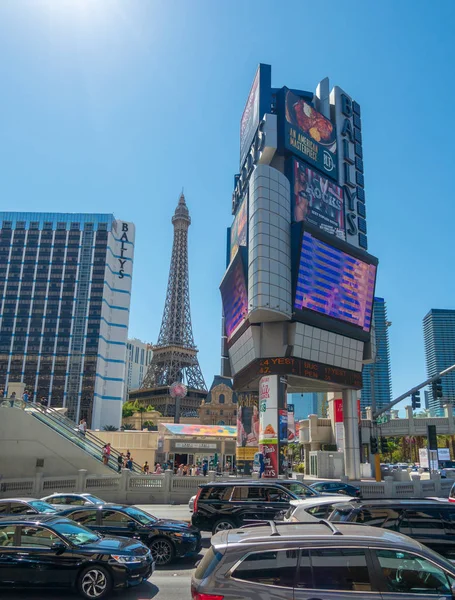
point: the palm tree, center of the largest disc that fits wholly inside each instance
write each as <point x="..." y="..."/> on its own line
<point x="141" y="410"/>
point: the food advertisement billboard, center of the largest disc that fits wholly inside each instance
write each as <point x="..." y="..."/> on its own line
<point x="247" y="425"/>
<point x="234" y="296"/>
<point x="257" y="104"/>
<point x="317" y="200"/>
<point x="308" y="134"/>
<point x="334" y="283"/>
<point x="268" y="424"/>
<point x="239" y="227"/>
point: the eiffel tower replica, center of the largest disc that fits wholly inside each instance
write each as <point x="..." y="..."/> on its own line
<point x="175" y="354"/>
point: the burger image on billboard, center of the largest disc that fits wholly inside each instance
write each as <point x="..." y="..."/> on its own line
<point x="308" y="134"/>
<point x="317" y="200"/>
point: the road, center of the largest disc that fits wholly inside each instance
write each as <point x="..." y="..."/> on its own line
<point x="167" y="583"/>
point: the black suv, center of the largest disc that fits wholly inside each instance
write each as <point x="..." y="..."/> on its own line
<point x="429" y="522"/>
<point x="220" y="506"/>
<point x="48" y="551"/>
<point x="167" y="539"/>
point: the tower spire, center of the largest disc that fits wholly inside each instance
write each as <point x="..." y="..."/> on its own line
<point x="175" y="353"/>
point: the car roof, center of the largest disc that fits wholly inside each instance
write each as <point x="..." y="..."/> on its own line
<point x="20" y="500"/>
<point x="396" y="502"/>
<point x="317" y="500"/>
<point x="47" y="519"/>
<point x="249" y="483"/>
<point x="344" y="533"/>
<point x="108" y="505"/>
<point x="67" y="494"/>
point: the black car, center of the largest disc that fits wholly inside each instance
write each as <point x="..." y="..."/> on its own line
<point x="336" y="487"/>
<point x="220" y="506"/>
<point x="430" y="522"/>
<point x="167" y="539"/>
<point x="51" y="551"/>
<point x="25" y="506"/>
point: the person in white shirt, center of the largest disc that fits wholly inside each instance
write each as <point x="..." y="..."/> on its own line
<point x="82" y="427"/>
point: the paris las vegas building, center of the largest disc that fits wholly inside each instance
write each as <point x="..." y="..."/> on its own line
<point x="299" y="284"/>
<point x="65" y="288"/>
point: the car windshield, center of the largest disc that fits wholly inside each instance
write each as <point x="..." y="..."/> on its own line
<point x="76" y="534"/>
<point x="93" y="499"/>
<point x="42" y="507"/>
<point x="141" y="516"/>
<point x="300" y="490"/>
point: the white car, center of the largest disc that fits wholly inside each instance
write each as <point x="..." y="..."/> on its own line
<point x="309" y="509"/>
<point x="61" y="500"/>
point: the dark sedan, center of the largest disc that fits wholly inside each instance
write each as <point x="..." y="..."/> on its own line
<point x="336" y="487"/>
<point x="167" y="539"/>
<point x="25" y="506"/>
<point x="51" y="551"/>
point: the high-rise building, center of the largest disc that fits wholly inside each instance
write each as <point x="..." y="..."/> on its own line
<point x="65" y="285"/>
<point x="311" y="403"/>
<point x="378" y="373"/>
<point x="138" y="357"/>
<point x="439" y="336"/>
<point x="174" y="358"/>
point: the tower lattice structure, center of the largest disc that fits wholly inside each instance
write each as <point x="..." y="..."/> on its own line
<point x="175" y="353"/>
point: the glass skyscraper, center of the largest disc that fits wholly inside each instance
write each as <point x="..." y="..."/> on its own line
<point x="439" y="337"/>
<point x="65" y="285"/>
<point x="378" y="372"/>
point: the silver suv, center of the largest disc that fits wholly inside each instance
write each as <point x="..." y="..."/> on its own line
<point x="320" y="561"/>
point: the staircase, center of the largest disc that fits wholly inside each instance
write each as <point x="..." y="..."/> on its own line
<point x="90" y="443"/>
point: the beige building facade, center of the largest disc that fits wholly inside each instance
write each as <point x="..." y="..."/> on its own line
<point x="220" y="406"/>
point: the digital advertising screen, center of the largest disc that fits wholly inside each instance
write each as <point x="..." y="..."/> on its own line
<point x="334" y="283"/>
<point x="308" y="134"/>
<point x="317" y="200"/>
<point x="257" y="104"/>
<point x="239" y="227"/>
<point x="234" y="296"/>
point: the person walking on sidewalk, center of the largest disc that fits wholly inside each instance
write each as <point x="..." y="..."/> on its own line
<point x="12" y="399"/>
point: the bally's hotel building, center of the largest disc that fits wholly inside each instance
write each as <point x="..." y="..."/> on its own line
<point x="65" y="289"/>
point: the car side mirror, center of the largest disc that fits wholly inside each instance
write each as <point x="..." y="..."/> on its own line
<point x="132" y="525"/>
<point x="58" y="547"/>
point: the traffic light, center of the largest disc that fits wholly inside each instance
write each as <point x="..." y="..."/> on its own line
<point x="415" y="398"/>
<point x="436" y="386"/>
<point x="384" y="445"/>
<point x="374" y="445"/>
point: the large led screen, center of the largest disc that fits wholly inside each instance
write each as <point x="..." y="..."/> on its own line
<point x="317" y="200"/>
<point x="234" y="296"/>
<point x="334" y="283"/>
<point x="238" y="229"/>
<point x="309" y="135"/>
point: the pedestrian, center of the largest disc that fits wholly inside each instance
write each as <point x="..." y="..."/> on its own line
<point x="205" y="468"/>
<point x="12" y="399"/>
<point x="43" y="401"/>
<point x="158" y="469"/>
<point x="129" y="463"/>
<point x="2" y="393"/>
<point x="82" y="427"/>
<point x="106" y="453"/>
<point x="180" y="471"/>
<point x="25" y="396"/>
<point x="128" y="454"/>
<point x="146" y="468"/>
<point x="261" y="465"/>
<point x="120" y="461"/>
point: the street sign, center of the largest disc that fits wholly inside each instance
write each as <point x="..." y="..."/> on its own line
<point x="382" y="419"/>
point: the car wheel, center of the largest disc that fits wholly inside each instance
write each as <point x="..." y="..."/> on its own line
<point x="223" y="525"/>
<point x="94" y="583"/>
<point x="162" y="551"/>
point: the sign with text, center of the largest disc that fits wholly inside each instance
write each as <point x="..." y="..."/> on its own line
<point x="268" y="424"/>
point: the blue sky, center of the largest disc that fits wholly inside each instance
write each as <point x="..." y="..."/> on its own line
<point x="114" y="105"/>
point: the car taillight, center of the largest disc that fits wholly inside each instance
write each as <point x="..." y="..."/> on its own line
<point x="196" y="499"/>
<point x="197" y="596"/>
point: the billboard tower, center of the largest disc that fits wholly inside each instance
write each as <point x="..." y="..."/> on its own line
<point x="298" y="289"/>
<point x="175" y="354"/>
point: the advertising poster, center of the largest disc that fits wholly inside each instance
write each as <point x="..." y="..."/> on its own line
<point x="247" y="426"/>
<point x="291" y="425"/>
<point x="268" y="424"/>
<point x="317" y="200"/>
<point x="309" y="135"/>
<point x="234" y="296"/>
<point x="283" y="425"/>
<point x="239" y="227"/>
<point x="338" y="410"/>
<point x="334" y="283"/>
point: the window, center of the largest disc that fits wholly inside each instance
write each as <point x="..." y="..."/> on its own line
<point x="7" y="533"/>
<point x="276" y="567"/>
<point x="219" y="492"/>
<point x="85" y="517"/>
<point x="322" y="511"/>
<point x="260" y="493"/>
<point x="427" y="521"/>
<point x="340" y="569"/>
<point x="18" y="508"/>
<point x="115" y="518"/>
<point x="37" y="537"/>
<point x="407" y="573"/>
<point x="3" y="508"/>
<point x="221" y="399"/>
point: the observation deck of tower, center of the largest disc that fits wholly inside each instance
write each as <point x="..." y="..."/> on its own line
<point x="175" y="353"/>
